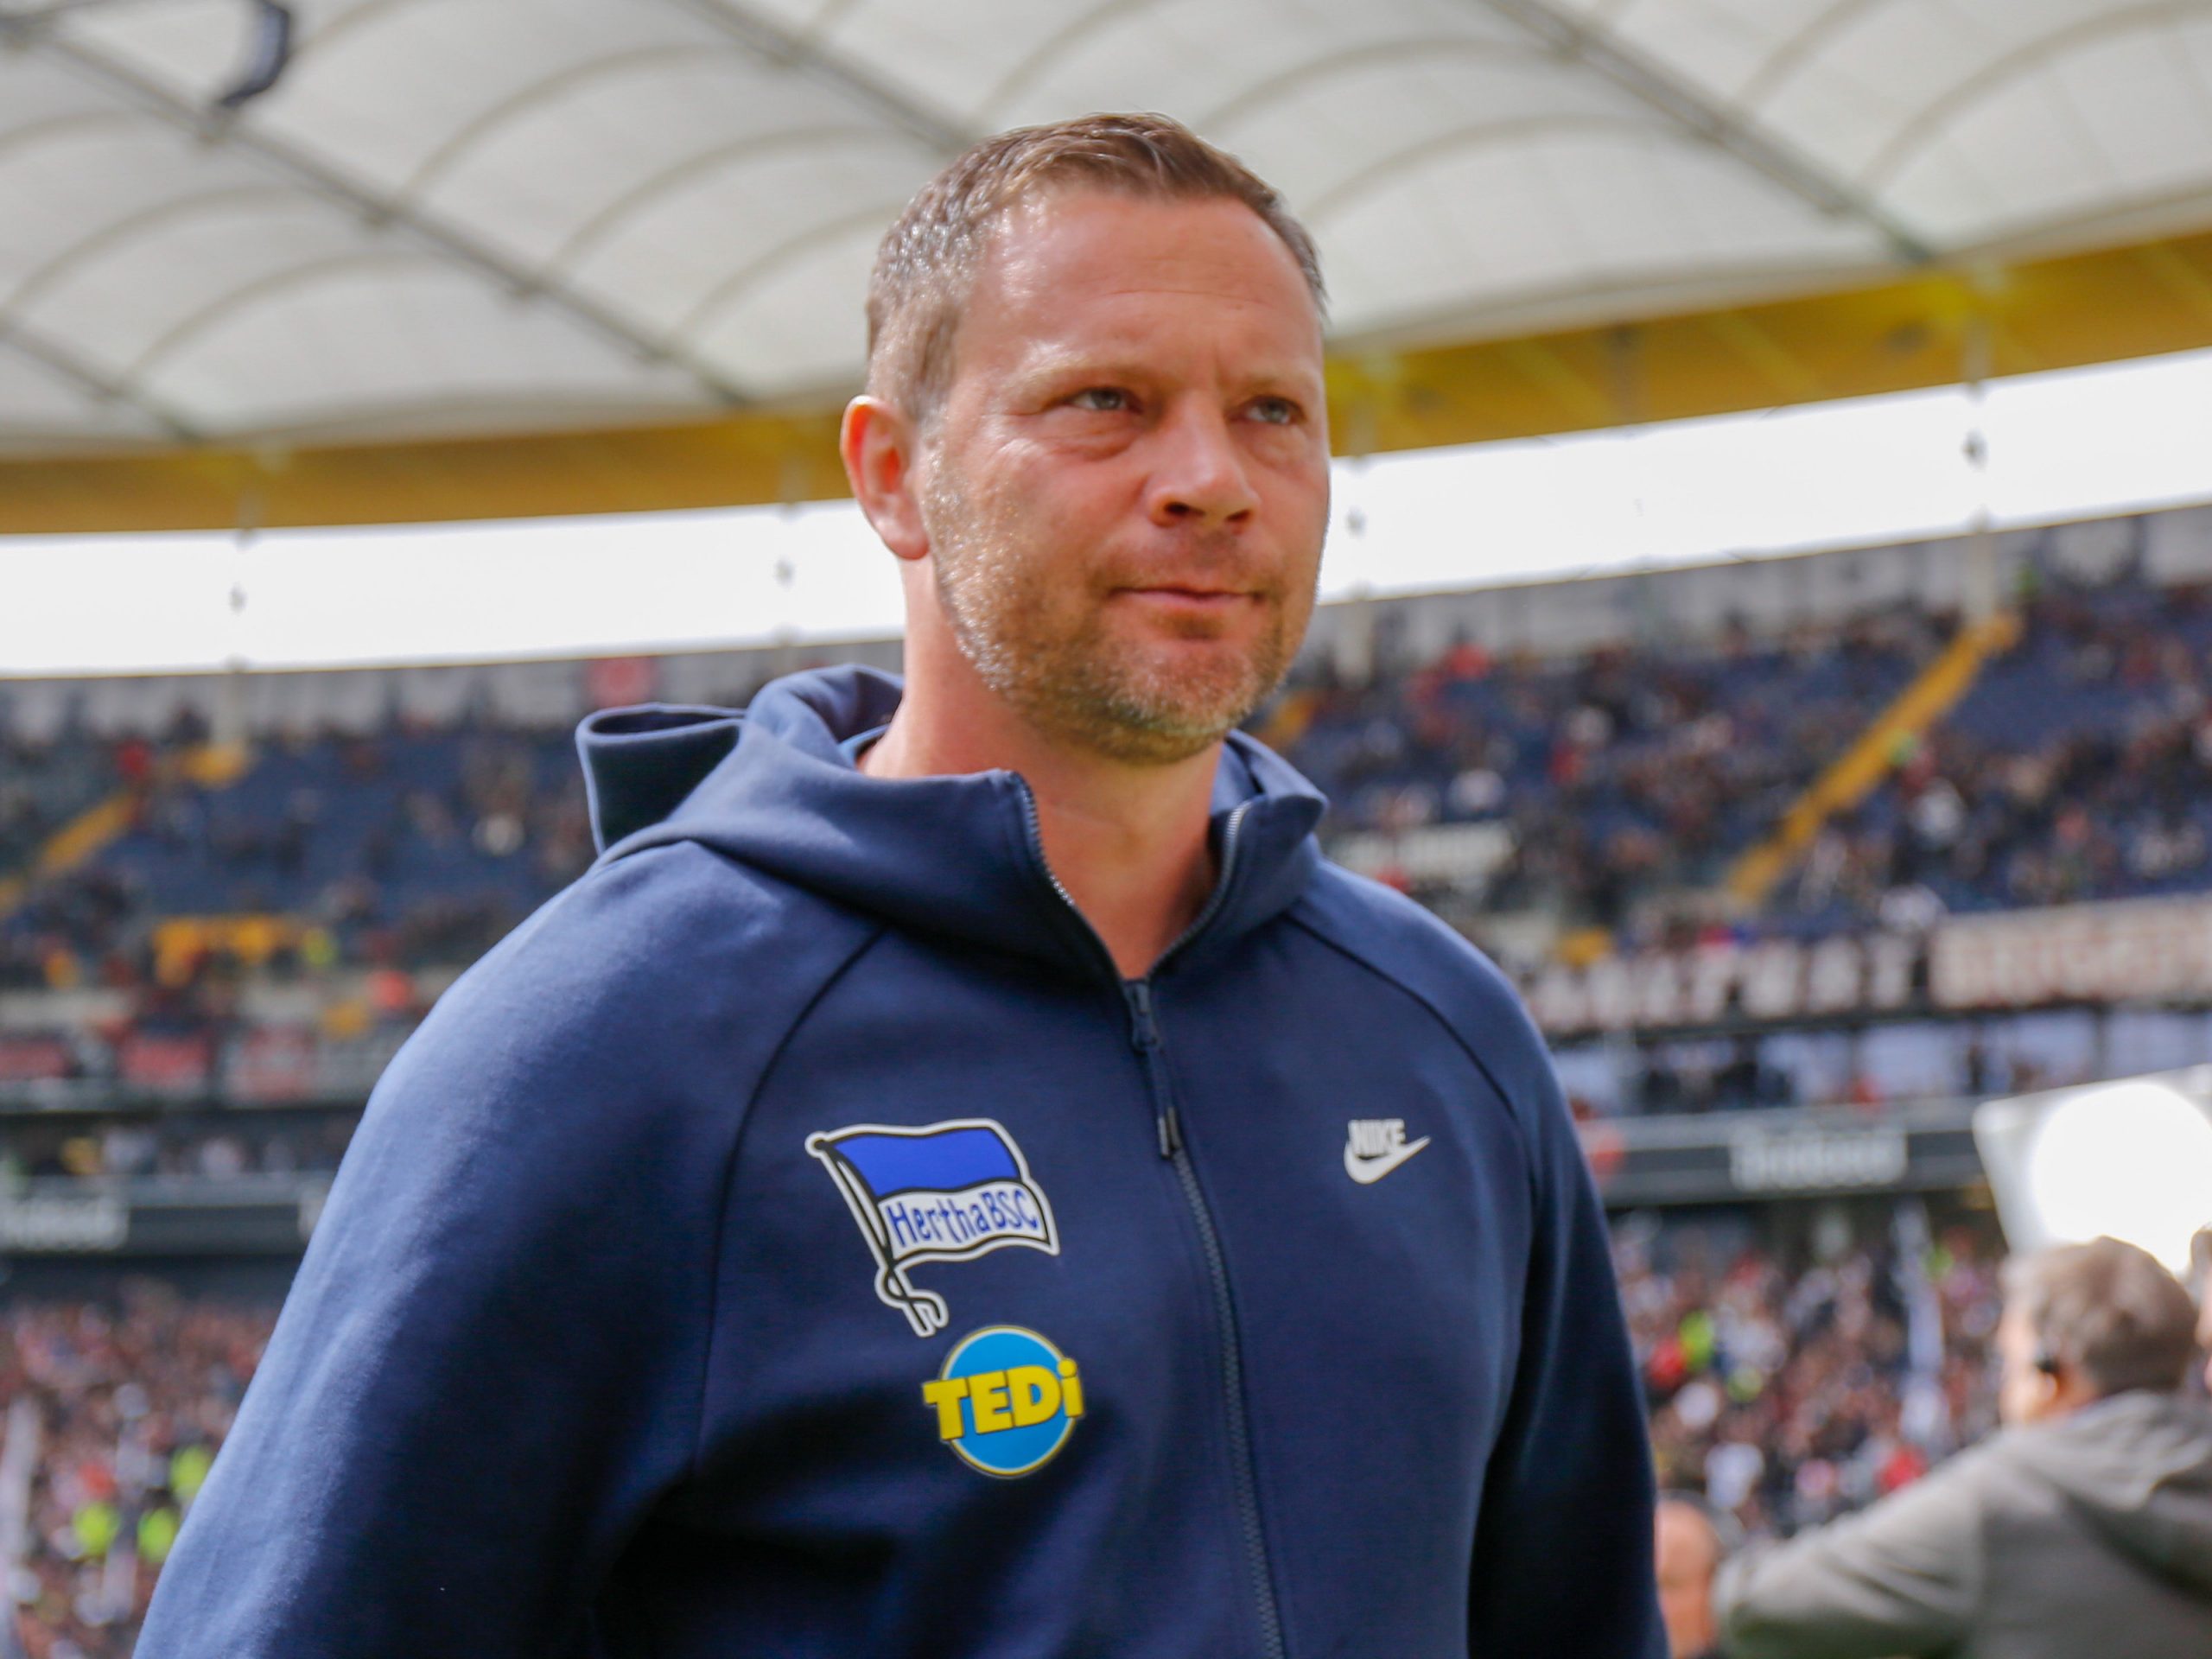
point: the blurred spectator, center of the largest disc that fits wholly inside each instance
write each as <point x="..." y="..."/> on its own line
<point x="2086" y="1527"/>
<point x="2200" y="1266"/>
<point x="1689" y="1552"/>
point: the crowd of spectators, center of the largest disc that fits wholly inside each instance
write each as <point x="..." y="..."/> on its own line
<point x="128" y="1398"/>
<point x="1788" y="1398"/>
<point x="42" y="786"/>
<point x="2078" y="767"/>
<point x="1626" y="772"/>
<point x="405" y="849"/>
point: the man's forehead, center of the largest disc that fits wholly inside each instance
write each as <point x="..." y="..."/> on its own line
<point x="1679" y="1525"/>
<point x="1087" y="248"/>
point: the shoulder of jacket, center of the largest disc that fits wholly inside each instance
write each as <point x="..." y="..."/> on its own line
<point x="1400" y="941"/>
<point x="688" y="884"/>
<point x="670" y="960"/>
<point x="1969" y="1476"/>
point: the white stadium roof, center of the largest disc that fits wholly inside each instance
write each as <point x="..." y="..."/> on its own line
<point x="470" y="220"/>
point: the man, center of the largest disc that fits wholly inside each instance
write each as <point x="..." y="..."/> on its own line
<point x="961" y="1175"/>
<point x="1688" y="1551"/>
<point x="2200" y="1268"/>
<point x="2084" y="1528"/>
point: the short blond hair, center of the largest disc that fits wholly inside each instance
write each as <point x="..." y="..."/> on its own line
<point x="2109" y="1310"/>
<point x="927" y="262"/>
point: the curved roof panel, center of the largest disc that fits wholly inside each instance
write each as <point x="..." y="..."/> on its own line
<point x="512" y="216"/>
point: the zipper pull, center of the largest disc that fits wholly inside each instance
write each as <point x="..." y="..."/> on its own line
<point x="1171" y="1134"/>
<point x="1144" y="1035"/>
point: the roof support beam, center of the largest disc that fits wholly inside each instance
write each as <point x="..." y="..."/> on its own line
<point x="455" y="245"/>
<point x="59" y="361"/>
<point x="1690" y="106"/>
<point x="774" y="43"/>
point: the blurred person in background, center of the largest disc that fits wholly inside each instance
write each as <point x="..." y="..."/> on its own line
<point x="2084" y="1528"/>
<point x="2200" y="1257"/>
<point x="1692" y="1538"/>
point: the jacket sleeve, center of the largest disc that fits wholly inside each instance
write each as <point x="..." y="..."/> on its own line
<point x="1563" y="1546"/>
<point x="490" y="1362"/>
<point x="1902" y="1578"/>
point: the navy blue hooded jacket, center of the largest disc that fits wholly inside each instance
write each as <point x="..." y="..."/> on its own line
<point x="796" y="1239"/>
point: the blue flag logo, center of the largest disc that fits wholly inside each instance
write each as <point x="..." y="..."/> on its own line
<point x="941" y="1192"/>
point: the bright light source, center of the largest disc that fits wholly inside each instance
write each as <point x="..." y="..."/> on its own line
<point x="2130" y="1160"/>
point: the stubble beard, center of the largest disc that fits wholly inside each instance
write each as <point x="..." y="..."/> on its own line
<point x="1062" y="670"/>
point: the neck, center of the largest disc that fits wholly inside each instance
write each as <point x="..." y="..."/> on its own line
<point x="1128" y="842"/>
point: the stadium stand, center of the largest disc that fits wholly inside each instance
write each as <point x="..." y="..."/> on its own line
<point x="413" y="847"/>
<point x="2075" y="769"/>
<point x="44" y="787"/>
<point x="1625" y="774"/>
<point x="225" y="903"/>
<point x="1627" y="779"/>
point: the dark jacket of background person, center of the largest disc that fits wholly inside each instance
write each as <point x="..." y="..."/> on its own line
<point x="2087" y="1537"/>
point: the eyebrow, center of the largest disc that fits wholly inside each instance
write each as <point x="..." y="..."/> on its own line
<point x="1052" y="363"/>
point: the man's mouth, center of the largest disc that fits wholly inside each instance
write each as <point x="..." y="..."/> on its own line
<point x="1189" y="593"/>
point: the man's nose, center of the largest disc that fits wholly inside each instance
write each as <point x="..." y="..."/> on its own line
<point x="1199" y="477"/>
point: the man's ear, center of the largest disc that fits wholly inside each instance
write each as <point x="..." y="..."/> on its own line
<point x="878" y="443"/>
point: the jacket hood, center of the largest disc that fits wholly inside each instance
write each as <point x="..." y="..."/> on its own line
<point x="775" y="787"/>
<point x="2138" y="1467"/>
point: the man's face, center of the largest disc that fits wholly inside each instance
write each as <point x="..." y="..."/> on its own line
<point x="2204" y="1332"/>
<point x="2025" y="1394"/>
<point x="1126" y="487"/>
<point x="1688" y="1553"/>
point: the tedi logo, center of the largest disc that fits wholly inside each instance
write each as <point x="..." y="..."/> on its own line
<point x="1376" y="1146"/>
<point x="1007" y="1400"/>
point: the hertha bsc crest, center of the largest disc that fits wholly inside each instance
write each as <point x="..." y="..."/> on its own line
<point x="942" y="1192"/>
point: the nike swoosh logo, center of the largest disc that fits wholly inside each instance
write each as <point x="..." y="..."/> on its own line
<point x="1368" y="1171"/>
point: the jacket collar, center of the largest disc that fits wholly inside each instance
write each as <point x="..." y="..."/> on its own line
<point x="954" y="856"/>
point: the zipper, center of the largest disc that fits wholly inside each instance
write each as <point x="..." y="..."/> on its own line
<point x="1144" y="1037"/>
<point x="1100" y="954"/>
<point x="1096" y="946"/>
<point x="1138" y="992"/>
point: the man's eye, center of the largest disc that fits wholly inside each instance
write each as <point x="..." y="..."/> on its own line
<point x="1275" y="411"/>
<point x="1102" y="399"/>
